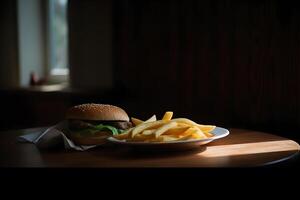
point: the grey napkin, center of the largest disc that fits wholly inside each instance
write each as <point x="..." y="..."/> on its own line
<point x="51" y="137"/>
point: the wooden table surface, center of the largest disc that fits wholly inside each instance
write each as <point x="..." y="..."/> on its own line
<point x="241" y="148"/>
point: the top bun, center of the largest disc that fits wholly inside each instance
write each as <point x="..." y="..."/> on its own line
<point x="99" y="112"/>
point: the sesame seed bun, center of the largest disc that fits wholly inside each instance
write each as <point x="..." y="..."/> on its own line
<point x="99" y="112"/>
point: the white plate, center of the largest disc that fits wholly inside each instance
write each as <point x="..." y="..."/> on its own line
<point x="176" y="145"/>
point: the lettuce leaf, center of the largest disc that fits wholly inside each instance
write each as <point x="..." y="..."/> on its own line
<point x="101" y="127"/>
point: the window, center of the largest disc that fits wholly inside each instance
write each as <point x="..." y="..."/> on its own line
<point x="43" y="42"/>
<point x="58" y="39"/>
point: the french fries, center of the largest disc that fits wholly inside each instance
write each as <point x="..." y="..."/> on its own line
<point x="147" y="125"/>
<point x="168" y="116"/>
<point x="136" y="121"/>
<point x="165" y="130"/>
<point x="151" y="119"/>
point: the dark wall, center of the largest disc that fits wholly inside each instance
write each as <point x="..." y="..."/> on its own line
<point x="231" y="63"/>
<point x="90" y="35"/>
<point x="9" y="72"/>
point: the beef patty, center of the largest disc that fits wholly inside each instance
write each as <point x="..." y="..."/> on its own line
<point x="75" y="124"/>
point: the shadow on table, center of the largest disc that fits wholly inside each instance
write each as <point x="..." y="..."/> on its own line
<point x="150" y="153"/>
<point x="136" y="153"/>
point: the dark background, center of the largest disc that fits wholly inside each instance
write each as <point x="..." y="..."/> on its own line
<point x="229" y="63"/>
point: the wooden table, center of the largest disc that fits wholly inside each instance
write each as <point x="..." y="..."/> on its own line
<point x="240" y="148"/>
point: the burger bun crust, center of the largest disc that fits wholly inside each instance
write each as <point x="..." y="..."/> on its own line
<point x="97" y="112"/>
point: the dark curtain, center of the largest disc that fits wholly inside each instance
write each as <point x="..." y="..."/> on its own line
<point x="231" y="63"/>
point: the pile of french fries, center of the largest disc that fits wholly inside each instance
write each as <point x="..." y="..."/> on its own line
<point x="165" y="130"/>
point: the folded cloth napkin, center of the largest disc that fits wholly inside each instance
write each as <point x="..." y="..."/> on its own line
<point x="53" y="137"/>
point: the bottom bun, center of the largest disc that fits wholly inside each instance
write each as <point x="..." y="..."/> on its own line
<point x="89" y="140"/>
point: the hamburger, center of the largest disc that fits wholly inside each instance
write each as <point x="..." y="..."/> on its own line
<point x="91" y="124"/>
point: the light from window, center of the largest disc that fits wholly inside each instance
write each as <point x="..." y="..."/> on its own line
<point x="58" y="37"/>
